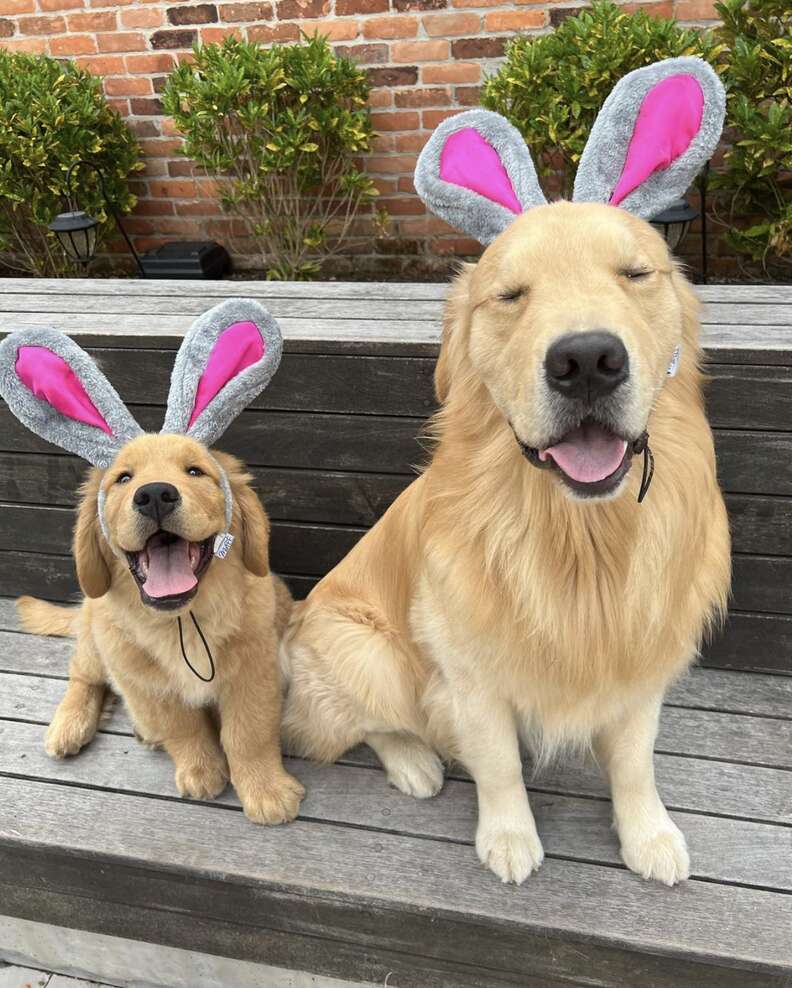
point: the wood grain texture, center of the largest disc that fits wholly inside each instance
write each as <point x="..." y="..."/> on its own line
<point x="760" y="583"/>
<point x="688" y="783"/>
<point x="352" y="893"/>
<point x="572" y="828"/>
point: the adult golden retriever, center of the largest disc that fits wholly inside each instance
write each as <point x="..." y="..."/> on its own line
<point x="517" y="588"/>
<point x="164" y="503"/>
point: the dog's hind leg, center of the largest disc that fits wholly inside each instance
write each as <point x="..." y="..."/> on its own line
<point x="79" y="712"/>
<point x="409" y="763"/>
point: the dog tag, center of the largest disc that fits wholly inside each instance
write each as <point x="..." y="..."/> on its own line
<point x="673" y="367"/>
<point x="222" y="544"/>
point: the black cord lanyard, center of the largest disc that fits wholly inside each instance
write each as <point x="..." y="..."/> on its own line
<point x="190" y="666"/>
<point x="641" y="445"/>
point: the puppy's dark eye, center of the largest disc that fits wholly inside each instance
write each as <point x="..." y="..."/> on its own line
<point x="123" y="478"/>
<point x="636" y="274"/>
<point x="195" y="471"/>
<point x="511" y="295"/>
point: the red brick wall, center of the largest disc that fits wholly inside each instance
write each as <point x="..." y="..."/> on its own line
<point x="426" y="60"/>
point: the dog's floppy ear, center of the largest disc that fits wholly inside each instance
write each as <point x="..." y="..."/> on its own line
<point x="227" y="357"/>
<point x="654" y="133"/>
<point x="254" y="525"/>
<point x="58" y="392"/>
<point x="89" y="545"/>
<point x="476" y="173"/>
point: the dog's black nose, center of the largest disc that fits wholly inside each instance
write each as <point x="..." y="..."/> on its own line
<point x="587" y="365"/>
<point x="156" y="501"/>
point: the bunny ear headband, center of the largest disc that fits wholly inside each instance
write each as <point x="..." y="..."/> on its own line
<point x="226" y="358"/>
<point x="654" y="133"/>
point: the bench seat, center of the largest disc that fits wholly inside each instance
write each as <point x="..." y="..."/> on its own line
<point x="370" y="882"/>
<point x="370" y="886"/>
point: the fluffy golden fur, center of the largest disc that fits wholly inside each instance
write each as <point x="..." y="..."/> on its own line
<point x="491" y="603"/>
<point x="133" y="648"/>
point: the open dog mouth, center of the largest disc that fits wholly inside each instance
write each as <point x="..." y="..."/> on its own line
<point x="591" y="459"/>
<point x="168" y="569"/>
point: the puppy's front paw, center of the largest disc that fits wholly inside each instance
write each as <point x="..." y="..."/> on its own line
<point x="661" y="854"/>
<point x="511" y="852"/>
<point x="203" y="778"/>
<point x="270" y="799"/>
<point x="67" y="734"/>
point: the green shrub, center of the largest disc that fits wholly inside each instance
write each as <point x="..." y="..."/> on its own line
<point x="281" y="128"/>
<point x="53" y="114"/>
<point x="552" y="86"/>
<point x="756" y="182"/>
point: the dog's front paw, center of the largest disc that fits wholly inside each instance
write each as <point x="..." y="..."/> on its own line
<point x="67" y="734"/>
<point x="203" y="778"/>
<point x="511" y="852"/>
<point x="270" y="799"/>
<point x="661" y="854"/>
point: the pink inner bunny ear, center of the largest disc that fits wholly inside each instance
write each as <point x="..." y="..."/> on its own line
<point x="471" y="162"/>
<point x="669" y="119"/>
<point x="236" y="348"/>
<point x="50" y="378"/>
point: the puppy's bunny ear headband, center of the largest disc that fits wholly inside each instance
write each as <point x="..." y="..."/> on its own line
<point x="654" y="133"/>
<point x="226" y="358"/>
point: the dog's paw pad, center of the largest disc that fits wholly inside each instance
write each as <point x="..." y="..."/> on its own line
<point x="511" y="853"/>
<point x="663" y="856"/>
<point x="201" y="780"/>
<point x="271" y="801"/>
<point x="419" y="773"/>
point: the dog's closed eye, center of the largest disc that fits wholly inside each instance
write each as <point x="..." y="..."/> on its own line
<point x="510" y="295"/>
<point x="637" y="274"/>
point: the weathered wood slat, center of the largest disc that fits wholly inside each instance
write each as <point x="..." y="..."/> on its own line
<point x="738" y="397"/>
<point x="761" y="525"/>
<point x="756" y="294"/>
<point x="689" y="783"/>
<point x="304" y="382"/>
<point x="749" y="462"/>
<point x="176" y="288"/>
<point x="761" y="642"/>
<point x="367" y="443"/>
<point x="94" y="309"/>
<point x="698" y="733"/>
<point x="571" y="828"/>
<point x="741" y="397"/>
<point x="708" y="689"/>
<point x="761" y="583"/>
<point x="353" y="884"/>
<point x="356" y="499"/>
<point x="55" y="306"/>
<point x="734" y="692"/>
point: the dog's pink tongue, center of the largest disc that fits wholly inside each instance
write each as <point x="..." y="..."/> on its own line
<point x="588" y="454"/>
<point x="169" y="571"/>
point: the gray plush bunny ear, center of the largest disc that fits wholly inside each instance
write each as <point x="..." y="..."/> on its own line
<point x="58" y="392"/>
<point x="476" y="173"/>
<point x="228" y="356"/>
<point x="654" y="133"/>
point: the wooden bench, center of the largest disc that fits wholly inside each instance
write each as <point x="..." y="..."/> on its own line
<point x="370" y="885"/>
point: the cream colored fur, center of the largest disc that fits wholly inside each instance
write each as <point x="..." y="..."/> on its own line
<point x="488" y="603"/>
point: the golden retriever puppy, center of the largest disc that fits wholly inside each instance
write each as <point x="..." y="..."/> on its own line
<point x="181" y="616"/>
<point x="518" y="589"/>
<point x="163" y="507"/>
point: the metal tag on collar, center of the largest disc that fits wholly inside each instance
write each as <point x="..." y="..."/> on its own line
<point x="673" y="367"/>
<point x="222" y="544"/>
